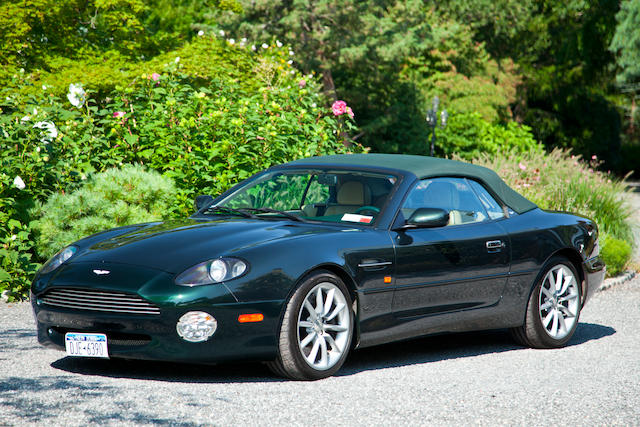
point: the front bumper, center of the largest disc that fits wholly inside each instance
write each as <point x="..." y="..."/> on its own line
<point x="140" y="337"/>
<point x="154" y="336"/>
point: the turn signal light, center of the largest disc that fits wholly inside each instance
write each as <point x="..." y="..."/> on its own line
<point x="254" y="317"/>
<point x="387" y="279"/>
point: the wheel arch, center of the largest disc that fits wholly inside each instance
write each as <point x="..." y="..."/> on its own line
<point x="576" y="260"/>
<point x="349" y="282"/>
<point x="574" y="257"/>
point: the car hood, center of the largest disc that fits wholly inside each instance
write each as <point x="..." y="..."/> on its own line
<point x="177" y="245"/>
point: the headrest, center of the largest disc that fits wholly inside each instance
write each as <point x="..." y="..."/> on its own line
<point x="354" y="193"/>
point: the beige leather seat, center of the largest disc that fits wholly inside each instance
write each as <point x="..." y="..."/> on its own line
<point x="351" y="196"/>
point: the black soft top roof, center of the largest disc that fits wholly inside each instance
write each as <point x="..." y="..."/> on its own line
<point x="425" y="167"/>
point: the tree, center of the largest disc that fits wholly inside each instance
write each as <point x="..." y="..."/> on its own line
<point x="626" y="44"/>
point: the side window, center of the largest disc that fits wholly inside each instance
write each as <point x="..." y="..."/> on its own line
<point x="451" y="194"/>
<point x="493" y="208"/>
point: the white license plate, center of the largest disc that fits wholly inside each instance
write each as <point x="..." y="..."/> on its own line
<point x="86" y="345"/>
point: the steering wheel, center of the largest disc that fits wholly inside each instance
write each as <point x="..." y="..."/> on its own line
<point x="372" y="210"/>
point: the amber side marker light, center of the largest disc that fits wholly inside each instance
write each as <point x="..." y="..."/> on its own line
<point x="248" y="318"/>
<point x="387" y="279"/>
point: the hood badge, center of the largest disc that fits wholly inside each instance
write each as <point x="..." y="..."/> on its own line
<point x="101" y="272"/>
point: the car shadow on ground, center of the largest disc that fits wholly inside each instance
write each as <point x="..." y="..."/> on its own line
<point x="411" y="352"/>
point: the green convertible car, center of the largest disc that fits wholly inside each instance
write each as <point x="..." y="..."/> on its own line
<point x="306" y="260"/>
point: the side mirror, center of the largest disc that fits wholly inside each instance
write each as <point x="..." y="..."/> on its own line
<point x="428" y="217"/>
<point x="202" y="201"/>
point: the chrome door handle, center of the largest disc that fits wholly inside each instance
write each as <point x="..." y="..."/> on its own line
<point x="495" y="245"/>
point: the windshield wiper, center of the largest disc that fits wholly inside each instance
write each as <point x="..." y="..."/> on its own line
<point x="275" y="211"/>
<point x="228" y="211"/>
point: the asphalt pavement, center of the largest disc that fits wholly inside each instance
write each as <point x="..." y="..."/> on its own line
<point x="463" y="379"/>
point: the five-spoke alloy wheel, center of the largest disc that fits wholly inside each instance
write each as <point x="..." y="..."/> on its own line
<point x="316" y="330"/>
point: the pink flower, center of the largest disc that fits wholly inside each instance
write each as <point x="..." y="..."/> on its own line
<point x="118" y="114"/>
<point x="302" y="83"/>
<point x="522" y="166"/>
<point x="350" y="112"/>
<point x="594" y="157"/>
<point x="339" y="108"/>
<point x="155" y="77"/>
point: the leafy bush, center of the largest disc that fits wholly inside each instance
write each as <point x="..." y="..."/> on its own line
<point x="109" y="199"/>
<point x="206" y="120"/>
<point x="564" y="182"/>
<point x="468" y="135"/>
<point x="616" y="254"/>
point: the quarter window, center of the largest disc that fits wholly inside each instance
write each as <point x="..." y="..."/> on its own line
<point x="492" y="207"/>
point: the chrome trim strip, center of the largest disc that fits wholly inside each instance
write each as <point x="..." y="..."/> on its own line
<point x="375" y="264"/>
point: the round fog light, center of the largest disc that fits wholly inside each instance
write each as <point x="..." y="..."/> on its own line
<point x="196" y="326"/>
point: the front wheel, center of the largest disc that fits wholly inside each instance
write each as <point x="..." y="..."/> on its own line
<point x="554" y="307"/>
<point x="315" y="334"/>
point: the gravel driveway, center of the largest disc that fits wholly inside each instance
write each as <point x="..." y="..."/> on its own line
<point x="465" y="379"/>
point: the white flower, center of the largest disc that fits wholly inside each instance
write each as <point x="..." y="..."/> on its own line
<point x="231" y="41"/>
<point x="290" y="53"/>
<point x="244" y="40"/>
<point x="44" y="87"/>
<point x="14" y="237"/>
<point x="293" y="71"/>
<point x="18" y="182"/>
<point x="253" y="47"/>
<point x="77" y="96"/>
<point x="25" y="118"/>
<point x="177" y="59"/>
<point x="314" y="105"/>
<point x="201" y="33"/>
<point x="265" y="46"/>
<point x="37" y="149"/>
<point x="278" y="43"/>
<point x="49" y="131"/>
<point x="83" y="177"/>
<point x="221" y="33"/>
<point x="289" y="62"/>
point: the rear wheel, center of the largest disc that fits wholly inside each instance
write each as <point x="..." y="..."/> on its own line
<point x="315" y="334"/>
<point x="554" y="307"/>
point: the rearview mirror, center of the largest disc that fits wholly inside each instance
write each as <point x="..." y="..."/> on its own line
<point x="428" y="217"/>
<point x="202" y="201"/>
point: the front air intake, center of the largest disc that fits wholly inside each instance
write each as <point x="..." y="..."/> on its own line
<point x="95" y="300"/>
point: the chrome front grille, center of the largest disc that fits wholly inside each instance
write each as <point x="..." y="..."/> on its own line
<point x="94" y="300"/>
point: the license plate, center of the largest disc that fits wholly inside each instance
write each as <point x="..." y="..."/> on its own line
<point x="86" y="345"/>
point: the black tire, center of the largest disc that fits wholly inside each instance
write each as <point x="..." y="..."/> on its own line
<point x="534" y="333"/>
<point x="292" y="361"/>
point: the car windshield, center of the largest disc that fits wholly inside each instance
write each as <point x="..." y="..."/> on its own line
<point x="330" y="196"/>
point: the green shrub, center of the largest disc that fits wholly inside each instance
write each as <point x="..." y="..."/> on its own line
<point x="616" y="254"/>
<point x="109" y="199"/>
<point x="564" y="182"/>
<point x="468" y="135"/>
<point x="206" y="120"/>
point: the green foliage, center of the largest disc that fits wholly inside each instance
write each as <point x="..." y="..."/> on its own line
<point x="467" y="136"/>
<point x="616" y="254"/>
<point x="113" y="198"/>
<point x="626" y="42"/>
<point x="207" y="116"/>
<point x="387" y="59"/>
<point x="560" y="181"/>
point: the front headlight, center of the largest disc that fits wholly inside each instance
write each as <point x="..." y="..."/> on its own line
<point x="213" y="271"/>
<point x="57" y="260"/>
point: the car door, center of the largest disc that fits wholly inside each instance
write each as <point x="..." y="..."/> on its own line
<point x="460" y="266"/>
